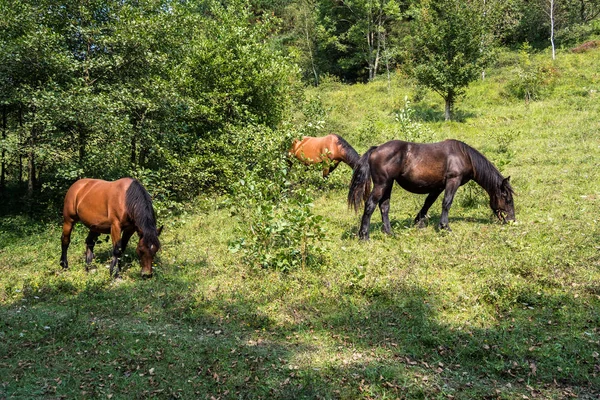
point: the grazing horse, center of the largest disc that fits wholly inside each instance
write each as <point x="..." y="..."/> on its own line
<point x="425" y="169"/>
<point x="313" y="150"/>
<point x="115" y="208"/>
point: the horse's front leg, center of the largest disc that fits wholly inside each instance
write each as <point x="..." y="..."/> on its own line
<point x="451" y="187"/>
<point x="370" y="205"/>
<point x="65" y="241"/>
<point x="115" y="235"/>
<point x="90" y="242"/>
<point x="431" y="198"/>
<point x="384" y="207"/>
<point x="329" y="169"/>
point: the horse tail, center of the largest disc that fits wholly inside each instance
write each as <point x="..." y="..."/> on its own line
<point x="360" y="186"/>
<point x="139" y="207"/>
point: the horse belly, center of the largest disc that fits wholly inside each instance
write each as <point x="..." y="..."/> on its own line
<point x="97" y="226"/>
<point x="308" y="156"/>
<point x="422" y="181"/>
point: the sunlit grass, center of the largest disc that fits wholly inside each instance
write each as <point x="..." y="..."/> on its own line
<point x="502" y="311"/>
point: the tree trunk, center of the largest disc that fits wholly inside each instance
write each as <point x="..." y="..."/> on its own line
<point x="133" y="151"/>
<point x="310" y="51"/>
<point x="552" y="28"/>
<point x="81" y="136"/>
<point x="449" y="99"/>
<point x="21" y="142"/>
<point x="31" y="163"/>
<point x="3" y="165"/>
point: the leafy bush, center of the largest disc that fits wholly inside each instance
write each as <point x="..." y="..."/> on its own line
<point x="573" y="34"/>
<point x="410" y="129"/>
<point x="279" y="229"/>
<point x="532" y="81"/>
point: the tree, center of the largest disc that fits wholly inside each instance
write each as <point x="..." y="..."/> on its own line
<point x="151" y="89"/>
<point x="449" y="47"/>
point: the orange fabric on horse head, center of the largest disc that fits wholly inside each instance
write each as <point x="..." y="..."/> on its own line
<point x="313" y="150"/>
<point x="115" y="208"/>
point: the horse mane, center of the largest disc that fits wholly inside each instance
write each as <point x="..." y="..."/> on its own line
<point x="351" y="155"/>
<point x="484" y="172"/>
<point x="139" y="207"/>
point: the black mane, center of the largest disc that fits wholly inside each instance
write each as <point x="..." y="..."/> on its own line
<point x="485" y="173"/>
<point x="139" y="207"/>
<point x="351" y="155"/>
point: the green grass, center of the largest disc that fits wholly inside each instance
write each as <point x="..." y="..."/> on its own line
<point x="487" y="311"/>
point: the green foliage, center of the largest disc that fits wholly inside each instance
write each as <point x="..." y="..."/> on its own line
<point x="108" y="89"/>
<point x="531" y="80"/>
<point x="448" y="48"/>
<point x="279" y="228"/>
<point x="285" y="235"/>
<point x="410" y="129"/>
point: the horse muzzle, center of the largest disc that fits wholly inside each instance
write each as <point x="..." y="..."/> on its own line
<point x="504" y="216"/>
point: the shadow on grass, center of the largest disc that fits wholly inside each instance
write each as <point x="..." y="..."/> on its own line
<point x="426" y="113"/>
<point x="402" y="340"/>
<point x="351" y="232"/>
<point x="169" y="338"/>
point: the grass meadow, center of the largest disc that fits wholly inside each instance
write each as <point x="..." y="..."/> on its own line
<point x="488" y="311"/>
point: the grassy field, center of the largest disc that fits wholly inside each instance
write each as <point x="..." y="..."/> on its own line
<point x="487" y="311"/>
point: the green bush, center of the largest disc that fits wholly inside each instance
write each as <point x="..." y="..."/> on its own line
<point x="279" y="229"/>
<point x="532" y="81"/>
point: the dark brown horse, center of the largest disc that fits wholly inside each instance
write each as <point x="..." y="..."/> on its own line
<point x="115" y="208"/>
<point x="425" y="169"/>
<point x="313" y="150"/>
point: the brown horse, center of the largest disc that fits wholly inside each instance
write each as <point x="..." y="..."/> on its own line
<point x="313" y="150"/>
<point x="426" y="169"/>
<point x="115" y="208"/>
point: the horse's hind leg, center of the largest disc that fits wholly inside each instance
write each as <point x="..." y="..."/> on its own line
<point x="431" y="198"/>
<point x="65" y="241"/>
<point x="90" y="242"/>
<point x="370" y="206"/>
<point x="115" y="235"/>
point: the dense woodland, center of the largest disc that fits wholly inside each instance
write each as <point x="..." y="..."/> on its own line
<point x="184" y="94"/>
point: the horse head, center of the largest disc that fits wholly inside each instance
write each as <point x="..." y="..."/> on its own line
<point x="502" y="201"/>
<point x="147" y="248"/>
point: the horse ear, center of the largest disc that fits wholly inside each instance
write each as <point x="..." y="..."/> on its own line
<point x="506" y="180"/>
<point x="159" y="230"/>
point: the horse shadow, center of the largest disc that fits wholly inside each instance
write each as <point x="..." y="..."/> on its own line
<point x="351" y="230"/>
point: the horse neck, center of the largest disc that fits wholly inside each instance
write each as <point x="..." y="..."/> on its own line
<point x="348" y="154"/>
<point x="485" y="173"/>
<point x="139" y="207"/>
<point x="351" y="158"/>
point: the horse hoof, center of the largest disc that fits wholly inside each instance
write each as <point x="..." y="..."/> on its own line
<point x="146" y="276"/>
<point x="64" y="265"/>
<point x="444" y="228"/>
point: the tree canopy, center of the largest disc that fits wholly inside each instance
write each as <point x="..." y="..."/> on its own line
<point x="163" y="90"/>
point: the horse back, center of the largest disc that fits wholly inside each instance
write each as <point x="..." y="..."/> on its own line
<point x="97" y="203"/>
<point x="419" y="167"/>
<point x="311" y="149"/>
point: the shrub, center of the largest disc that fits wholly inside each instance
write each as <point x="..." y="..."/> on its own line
<point x="279" y="229"/>
<point x="531" y="81"/>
